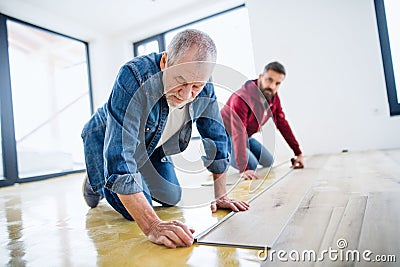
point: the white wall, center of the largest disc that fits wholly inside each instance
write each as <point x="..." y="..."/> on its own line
<point x="112" y="52"/>
<point x="108" y="54"/>
<point x="106" y="58"/>
<point x="334" y="94"/>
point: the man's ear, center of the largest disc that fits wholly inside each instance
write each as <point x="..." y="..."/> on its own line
<point x="163" y="61"/>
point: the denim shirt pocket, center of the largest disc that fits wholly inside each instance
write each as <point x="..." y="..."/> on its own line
<point x="150" y="127"/>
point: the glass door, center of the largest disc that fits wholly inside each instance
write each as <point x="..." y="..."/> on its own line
<point x="1" y="156"/>
<point x="45" y="102"/>
<point x="51" y="100"/>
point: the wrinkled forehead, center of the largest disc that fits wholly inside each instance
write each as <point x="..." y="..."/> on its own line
<point x="196" y="71"/>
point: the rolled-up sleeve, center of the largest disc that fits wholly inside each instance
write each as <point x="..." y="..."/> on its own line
<point x="122" y="135"/>
<point x="125" y="183"/>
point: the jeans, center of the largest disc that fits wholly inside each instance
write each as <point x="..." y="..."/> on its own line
<point x="159" y="183"/>
<point x="256" y="154"/>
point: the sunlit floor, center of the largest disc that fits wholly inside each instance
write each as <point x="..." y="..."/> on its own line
<point x="47" y="223"/>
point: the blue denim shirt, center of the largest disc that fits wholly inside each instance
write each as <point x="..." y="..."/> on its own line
<point x="121" y="136"/>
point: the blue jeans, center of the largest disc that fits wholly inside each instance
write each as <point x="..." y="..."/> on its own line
<point x="159" y="183"/>
<point x="256" y="154"/>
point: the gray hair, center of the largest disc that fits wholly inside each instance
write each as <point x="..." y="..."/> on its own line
<point x="184" y="40"/>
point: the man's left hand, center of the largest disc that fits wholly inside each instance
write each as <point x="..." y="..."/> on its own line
<point x="227" y="203"/>
<point x="297" y="162"/>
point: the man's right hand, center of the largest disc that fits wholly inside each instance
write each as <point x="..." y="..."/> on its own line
<point x="170" y="234"/>
<point x="250" y="175"/>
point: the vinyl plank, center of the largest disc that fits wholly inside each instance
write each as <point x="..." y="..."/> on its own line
<point x="347" y="235"/>
<point x="330" y="232"/>
<point x="359" y="173"/>
<point x="263" y="222"/>
<point x="387" y="162"/>
<point x="380" y="233"/>
<point x="394" y="154"/>
<point x="303" y="233"/>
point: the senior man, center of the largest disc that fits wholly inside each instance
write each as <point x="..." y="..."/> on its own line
<point x="147" y="118"/>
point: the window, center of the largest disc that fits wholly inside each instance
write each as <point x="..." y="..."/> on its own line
<point x="51" y="100"/>
<point x="1" y="157"/>
<point x="388" y="19"/>
<point x="149" y="45"/>
<point x="147" y="48"/>
<point x="230" y="31"/>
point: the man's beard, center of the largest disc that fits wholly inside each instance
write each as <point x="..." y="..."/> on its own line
<point x="174" y="104"/>
<point x="268" y="94"/>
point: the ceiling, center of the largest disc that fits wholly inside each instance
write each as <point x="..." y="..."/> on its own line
<point x="107" y="17"/>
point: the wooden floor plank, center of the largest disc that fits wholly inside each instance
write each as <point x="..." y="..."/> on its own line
<point x="347" y="235"/>
<point x="394" y="154"/>
<point x="374" y="171"/>
<point x="380" y="233"/>
<point x="331" y="230"/>
<point x="303" y="233"/>
<point x="261" y="225"/>
<point x="387" y="163"/>
<point x="352" y="198"/>
<point x="357" y="173"/>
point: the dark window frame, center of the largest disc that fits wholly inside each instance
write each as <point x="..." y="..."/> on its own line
<point x="8" y="142"/>
<point x="390" y="81"/>
<point x="161" y="36"/>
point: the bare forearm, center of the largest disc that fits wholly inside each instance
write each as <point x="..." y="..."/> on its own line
<point x="140" y="210"/>
<point x="219" y="185"/>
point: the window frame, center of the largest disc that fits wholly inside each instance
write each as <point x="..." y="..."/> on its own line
<point x="394" y="105"/>
<point x="8" y="141"/>
<point x="161" y="36"/>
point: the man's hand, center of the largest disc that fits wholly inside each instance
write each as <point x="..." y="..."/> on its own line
<point x="297" y="162"/>
<point x="170" y="234"/>
<point x="227" y="203"/>
<point x="250" y="175"/>
<point x="222" y="201"/>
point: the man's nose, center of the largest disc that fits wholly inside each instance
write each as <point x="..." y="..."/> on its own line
<point x="186" y="92"/>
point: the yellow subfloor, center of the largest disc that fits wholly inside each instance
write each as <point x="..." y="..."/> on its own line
<point x="47" y="223"/>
